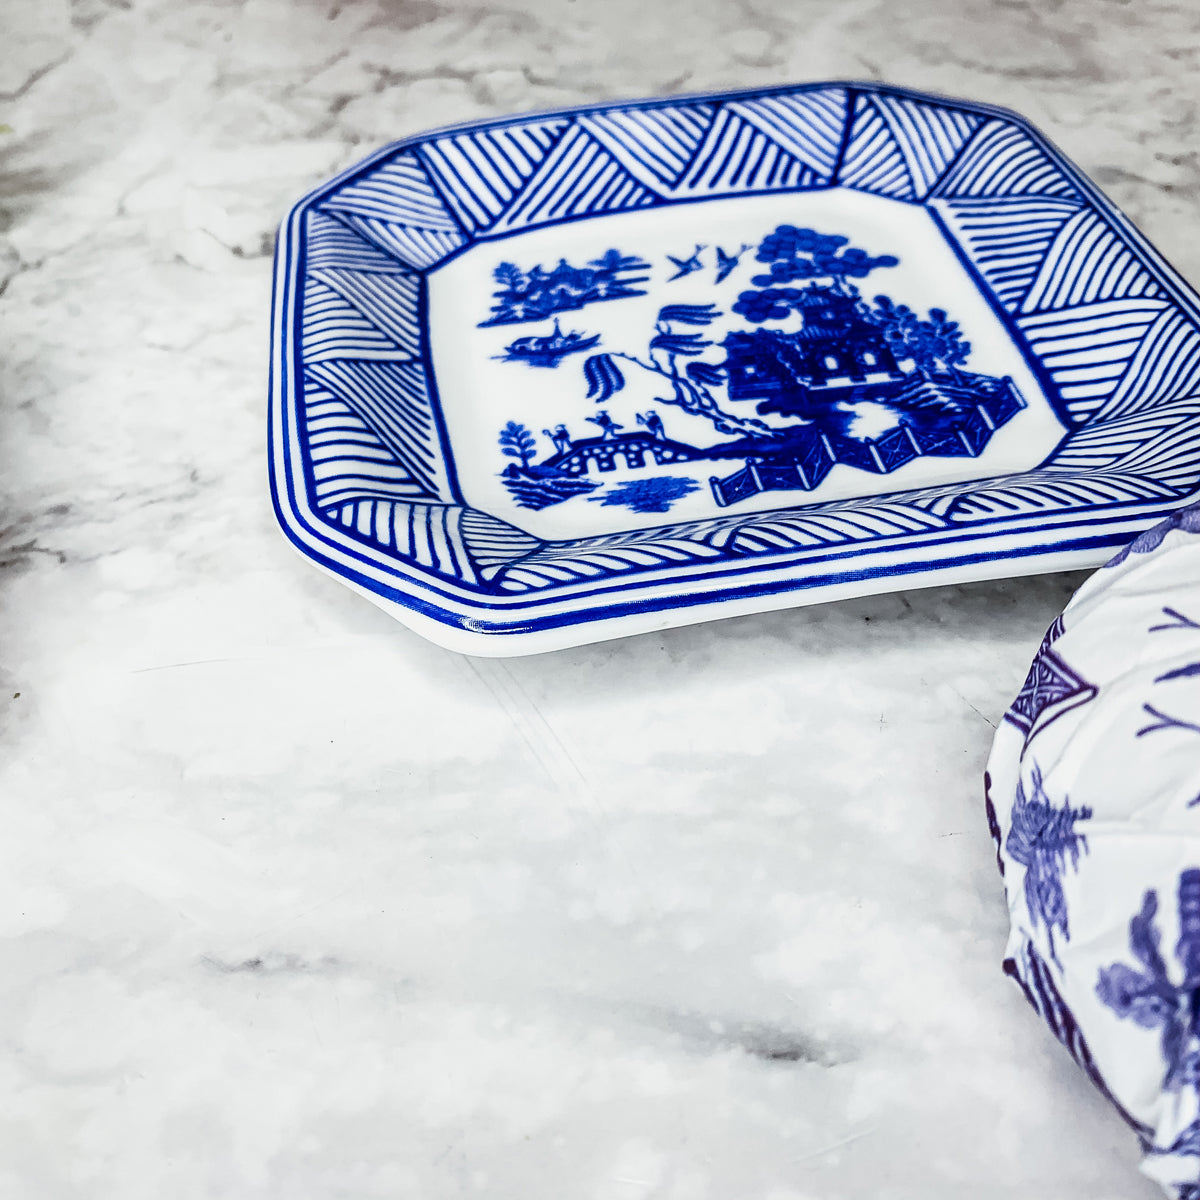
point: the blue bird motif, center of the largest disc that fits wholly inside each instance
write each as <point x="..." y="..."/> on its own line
<point x="687" y="265"/>
<point x="727" y="262"/>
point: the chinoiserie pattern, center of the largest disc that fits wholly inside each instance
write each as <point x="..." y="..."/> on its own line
<point x="1093" y="801"/>
<point x="1116" y="350"/>
<point x="1042" y="837"/>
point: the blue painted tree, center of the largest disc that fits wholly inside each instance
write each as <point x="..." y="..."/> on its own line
<point x="803" y="254"/>
<point x="1042" y="839"/>
<point x="945" y="341"/>
<point x="1149" y="997"/>
<point x="510" y="277"/>
<point x="613" y="276"/>
<point x="806" y="254"/>
<point x="517" y="442"/>
<point x="928" y="343"/>
<point x="671" y="356"/>
<point x="512" y="297"/>
<point x="537" y="293"/>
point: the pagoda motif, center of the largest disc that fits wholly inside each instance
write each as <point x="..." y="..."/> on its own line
<point x="837" y="347"/>
<point x="844" y="359"/>
<point x="846" y="384"/>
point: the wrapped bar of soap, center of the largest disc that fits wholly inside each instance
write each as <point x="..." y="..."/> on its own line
<point x="1093" y="797"/>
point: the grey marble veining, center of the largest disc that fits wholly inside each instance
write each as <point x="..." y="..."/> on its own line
<point x="296" y="905"/>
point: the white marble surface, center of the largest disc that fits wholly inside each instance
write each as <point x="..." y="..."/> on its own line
<point x="296" y="905"/>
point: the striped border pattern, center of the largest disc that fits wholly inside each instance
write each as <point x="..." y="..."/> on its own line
<point x="1008" y="238"/>
<point x="1107" y="331"/>
<point x="1086" y="350"/>
<point x="480" y="173"/>
<point x="349" y="460"/>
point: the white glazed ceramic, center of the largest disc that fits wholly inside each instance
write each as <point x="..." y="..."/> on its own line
<point x="564" y="377"/>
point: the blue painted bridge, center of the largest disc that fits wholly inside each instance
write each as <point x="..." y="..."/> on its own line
<point x="623" y="449"/>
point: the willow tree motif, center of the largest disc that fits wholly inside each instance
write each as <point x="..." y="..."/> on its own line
<point x="670" y="356"/>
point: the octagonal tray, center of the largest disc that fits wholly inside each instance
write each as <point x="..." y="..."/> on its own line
<point x="563" y="377"/>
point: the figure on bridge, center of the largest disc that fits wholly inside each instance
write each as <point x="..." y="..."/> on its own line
<point x="606" y="423"/>
<point x="561" y="439"/>
<point x="653" y="423"/>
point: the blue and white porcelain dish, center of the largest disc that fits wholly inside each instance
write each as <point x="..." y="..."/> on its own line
<point x="563" y="377"/>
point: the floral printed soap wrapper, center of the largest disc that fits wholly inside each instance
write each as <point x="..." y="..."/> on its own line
<point x="1093" y="796"/>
